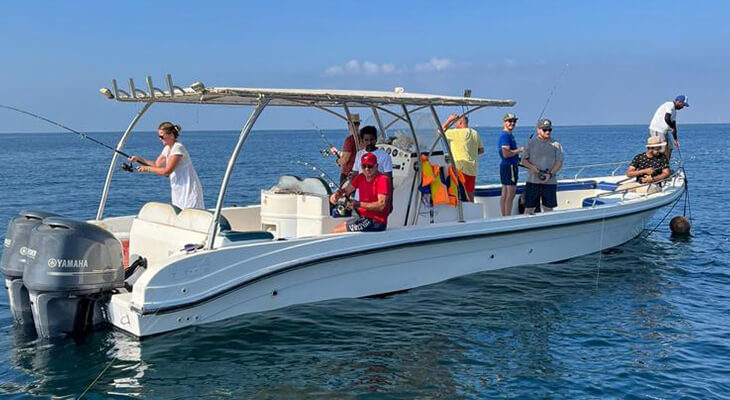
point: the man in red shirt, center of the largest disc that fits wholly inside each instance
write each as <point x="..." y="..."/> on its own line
<point x="374" y="190"/>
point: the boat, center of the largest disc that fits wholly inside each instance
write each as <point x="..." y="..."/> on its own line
<point x="193" y="266"/>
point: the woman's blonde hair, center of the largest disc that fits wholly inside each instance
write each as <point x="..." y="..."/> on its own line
<point x="169" y="127"/>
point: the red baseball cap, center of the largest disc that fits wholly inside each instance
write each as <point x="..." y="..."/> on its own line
<point x="368" y="159"/>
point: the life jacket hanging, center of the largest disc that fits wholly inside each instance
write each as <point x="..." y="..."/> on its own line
<point x="427" y="177"/>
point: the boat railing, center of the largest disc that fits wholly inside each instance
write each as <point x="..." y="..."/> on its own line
<point x="617" y="165"/>
<point x="660" y="184"/>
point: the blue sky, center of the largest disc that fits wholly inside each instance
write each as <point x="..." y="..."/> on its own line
<point x="624" y="57"/>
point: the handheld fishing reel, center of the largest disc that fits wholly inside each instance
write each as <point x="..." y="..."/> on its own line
<point x="543" y="174"/>
<point x="126" y="167"/>
<point x="343" y="208"/>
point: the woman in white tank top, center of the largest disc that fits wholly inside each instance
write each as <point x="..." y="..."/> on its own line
<point x="174" y="162"/>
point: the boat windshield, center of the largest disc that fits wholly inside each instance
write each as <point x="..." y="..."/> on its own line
<point x="425" y="129"/>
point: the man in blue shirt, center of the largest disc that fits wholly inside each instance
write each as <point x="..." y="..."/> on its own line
<point x="509" y="153"/>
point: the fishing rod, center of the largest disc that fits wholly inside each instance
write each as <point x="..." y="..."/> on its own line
<point x="342" y="206"/>
<point x="550" y="96"/>
<point x="322" y="173"/>
<point x="552" y="91"/>
<point x="327" y="152"/>
<point x="124" y="166"/>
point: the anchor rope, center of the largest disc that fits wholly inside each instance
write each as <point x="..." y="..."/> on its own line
<point x="663" y="218"/>
<point x="600" y="251"/>
<point x="109" y="364"/>
<point x="114" y="358"/>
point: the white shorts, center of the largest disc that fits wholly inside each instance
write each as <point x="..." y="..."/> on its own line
<point x="664" y="135"/>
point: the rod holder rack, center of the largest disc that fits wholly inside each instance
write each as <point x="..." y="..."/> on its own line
<point x="152" y="92"/>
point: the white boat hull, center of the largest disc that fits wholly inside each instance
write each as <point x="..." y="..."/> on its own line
<point x="266" y="277"/>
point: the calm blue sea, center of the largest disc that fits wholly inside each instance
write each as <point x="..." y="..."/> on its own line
<point x="648" y="320"/>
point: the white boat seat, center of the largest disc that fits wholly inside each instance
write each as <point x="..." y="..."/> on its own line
<point x="160" y="230"/>
<point x="162" y="213"/>
<point x="296" y="185"/>
<point x="199" y="220"/>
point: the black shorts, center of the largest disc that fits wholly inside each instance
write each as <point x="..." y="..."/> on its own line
<point x="508" y="174"/>
<point x="364" y="225"/>
<point x="535" y="192"/>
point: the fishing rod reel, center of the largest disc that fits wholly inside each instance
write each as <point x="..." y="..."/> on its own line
<point x="126" y="167"/>
<point x="326" y="153"/>
<point x="543" y="174"/>
<point x="343" y="208"/>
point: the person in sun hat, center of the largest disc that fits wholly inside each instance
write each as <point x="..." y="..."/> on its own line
<point x="510" y="155"/>
<point x="374" y="190"/>
<point x="651" y="165"/>
<point x="665" y="121"/>
<point x="346" y="157"/>
<point x="543" y="156"/>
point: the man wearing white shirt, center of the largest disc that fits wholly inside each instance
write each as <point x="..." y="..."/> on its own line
<point x="665" y="121"/>
<point x="369" y="136"/>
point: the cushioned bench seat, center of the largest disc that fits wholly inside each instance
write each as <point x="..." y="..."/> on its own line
<point x="161" y="229"/>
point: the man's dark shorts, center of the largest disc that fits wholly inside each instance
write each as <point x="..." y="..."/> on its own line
<point x="508" y="174"/>
<point x="364" y="225"/>
<point x="534" y="192"/>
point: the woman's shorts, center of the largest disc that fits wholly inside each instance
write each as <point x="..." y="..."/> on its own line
<point x="364" y="225"/>
<point x="508" y="174"/>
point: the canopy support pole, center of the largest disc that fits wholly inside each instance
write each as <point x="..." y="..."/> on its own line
<point x="407" y="117"/>
<point x="263" y="101"/>
<point x="112" y="165"/>
<point x="380" y="124"/>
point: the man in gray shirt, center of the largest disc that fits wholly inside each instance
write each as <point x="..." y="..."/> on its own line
<point x="543" y="156"/>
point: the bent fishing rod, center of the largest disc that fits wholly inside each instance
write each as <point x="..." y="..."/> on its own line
<point x="327" y="152"/>
<point x="124" y="166"/>
<point x="315" y="168"/>
<point x="550" y="95"/>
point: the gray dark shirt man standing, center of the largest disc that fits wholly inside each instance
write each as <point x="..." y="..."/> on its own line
<point x="543" y="157"/>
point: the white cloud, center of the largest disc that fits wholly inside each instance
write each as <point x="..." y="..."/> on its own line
<point x="435" y="64"/>
<point x="334" y="70"/>
<point x="352" y="66"/>
<point x="370" y="68"/>
<point x="355" y="67"/>
<point x="388" y="68"/>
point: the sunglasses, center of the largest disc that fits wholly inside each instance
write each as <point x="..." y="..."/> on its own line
<point x="161" y="137"/>
<point x="366" y="166"/>
<point x="547" y="130"/>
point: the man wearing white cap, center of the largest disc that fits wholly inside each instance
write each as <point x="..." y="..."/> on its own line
<point x="651" y="166"/>
<point x="665" y="121"/>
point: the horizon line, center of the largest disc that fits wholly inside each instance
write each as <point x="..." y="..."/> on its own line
<point x="343" y="129"/>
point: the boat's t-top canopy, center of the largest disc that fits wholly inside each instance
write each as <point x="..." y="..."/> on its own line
<point x="197" y="93"/>
<point x="397" y="104"/>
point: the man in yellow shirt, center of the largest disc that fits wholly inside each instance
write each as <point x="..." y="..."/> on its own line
<point x="465" y="146"/>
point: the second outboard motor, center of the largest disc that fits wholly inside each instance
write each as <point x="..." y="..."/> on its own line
<point x="76" y="268"/>
<point x="16" y="257"/>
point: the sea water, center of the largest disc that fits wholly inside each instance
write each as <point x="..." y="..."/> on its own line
<point x="646" y="320"/>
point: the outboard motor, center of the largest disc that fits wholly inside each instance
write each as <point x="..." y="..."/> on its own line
<point x="15" y="259"/>
<point x="76" y="268"/>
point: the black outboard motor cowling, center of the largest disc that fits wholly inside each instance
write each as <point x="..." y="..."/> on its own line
<point x="16" y="257"/>
<point x="76" y="267"/>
